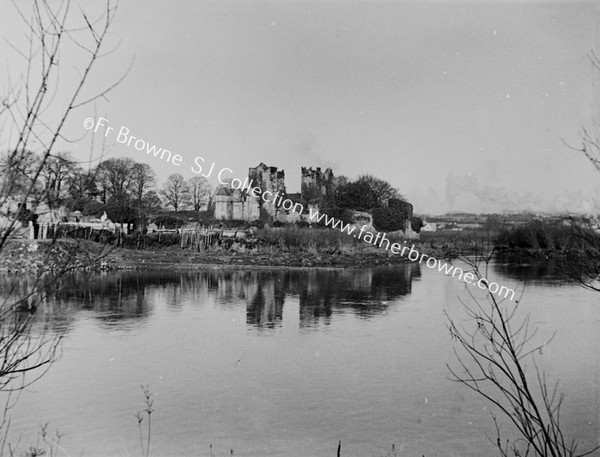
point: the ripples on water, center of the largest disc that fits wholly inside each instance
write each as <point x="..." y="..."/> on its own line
<point x="285" y="362"/>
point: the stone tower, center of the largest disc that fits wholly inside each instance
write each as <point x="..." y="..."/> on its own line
<point x="315" y="184"/>
<point x="268" y="179"/>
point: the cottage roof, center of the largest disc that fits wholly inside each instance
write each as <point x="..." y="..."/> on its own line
<point x="224" y="191"/>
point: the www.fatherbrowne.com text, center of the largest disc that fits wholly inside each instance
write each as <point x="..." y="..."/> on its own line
<point x="381" y="241"/>
<point x="124" y="136"/>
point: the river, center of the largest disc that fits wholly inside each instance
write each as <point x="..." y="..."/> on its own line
<point x="289" y="362"/>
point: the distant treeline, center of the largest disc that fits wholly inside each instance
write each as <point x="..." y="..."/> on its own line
<point x="548" y="236"/>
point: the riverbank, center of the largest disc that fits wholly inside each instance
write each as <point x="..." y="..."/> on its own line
<point x="47" y="255"/>
<point x="175" y="257"/>
<point x="33" y="256"/>
<point x="36" y="256"/>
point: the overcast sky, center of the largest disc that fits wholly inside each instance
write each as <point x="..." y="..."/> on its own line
<point x="461" y="106"/>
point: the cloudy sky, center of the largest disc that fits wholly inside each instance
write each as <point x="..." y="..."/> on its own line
<point x="463" y="106"/>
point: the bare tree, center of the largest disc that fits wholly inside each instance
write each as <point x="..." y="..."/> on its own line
<point x="590" y="143"/>
<point x="582" y="264"/>
<point x="494" y="349"/>
<point x="176" y="192"/>
<point x="494" y="346"/>
<point x="143" y="179"/>
<point x="25" y="107"/>
<point x="33" y="115"/>
<point x="56" y="171"/>
<point x="16" y="171"/>
<point x="82" y="189"/>
<point x="151" y="202"/>
<point x="115" y="178"/>
<point x="200" y="191"/>
<point x="590" y="147"/>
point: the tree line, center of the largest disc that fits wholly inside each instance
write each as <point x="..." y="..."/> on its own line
<point x="127" y="191"/>
<point x="123" y="188"/>
<point x="389" y="209"/>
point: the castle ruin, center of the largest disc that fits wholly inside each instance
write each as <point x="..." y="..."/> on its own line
<point x="239" y="204"/>
<point x="315" y="184"/>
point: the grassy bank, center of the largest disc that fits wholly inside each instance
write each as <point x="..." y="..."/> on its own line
<point x="538" y="236"/>
<point x="284" y="246"/>
<point x="36" y="256"/>
<point x="452" y="244"/>
<point x="298" y="247"/>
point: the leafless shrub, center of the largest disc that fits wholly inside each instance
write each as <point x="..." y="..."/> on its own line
<point x="147" y="414"/>
<point x="33" y="115"/>
<point x="494" y="349"/>
<point x="583" y="265"/>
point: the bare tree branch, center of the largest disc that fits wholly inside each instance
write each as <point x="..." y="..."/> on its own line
<point x="492" y="351"/>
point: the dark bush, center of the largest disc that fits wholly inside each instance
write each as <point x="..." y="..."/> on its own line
<point x="416" y="223"/>
<point x="388" y="219"/>
<point x="25" y="216"/>
<point x="356" y="196"/>
<point x="257" y="223"/>
<point x="342" y="214"/>
<point x="539" y="235"/>
<point x="169" y="222"/>
<point x="92" y="208"/>
<point x="403" y="207"/>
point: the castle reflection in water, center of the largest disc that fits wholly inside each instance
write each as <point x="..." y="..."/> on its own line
<point x="122" y="297"/>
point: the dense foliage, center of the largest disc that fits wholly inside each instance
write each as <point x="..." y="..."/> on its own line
<point x="416" y="224"/>
<point x="392" y="217"/>
<point x="538" y="235"/>
<point x="365" y="194"/>
<point x="120" y="187"/>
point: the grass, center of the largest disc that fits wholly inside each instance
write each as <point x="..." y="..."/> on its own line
<point x="452" y="244"/>
<point x="311" y="240"/>
<point x="320" y="241"/>
<point x="146" y="413"/>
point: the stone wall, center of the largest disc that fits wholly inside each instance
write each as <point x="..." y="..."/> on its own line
<point x="268" y="179"/>
<point x="315" y="184"/>
<point x="230" y="204"/>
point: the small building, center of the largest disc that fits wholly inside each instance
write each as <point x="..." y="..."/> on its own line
<point x="233" y="204"/>
<point x="429" y="227"/>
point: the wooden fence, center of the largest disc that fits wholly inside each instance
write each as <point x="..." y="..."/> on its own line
<point x="203" y="238"/>
<point x="193" y="238"/>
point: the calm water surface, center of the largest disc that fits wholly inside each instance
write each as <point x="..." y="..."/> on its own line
<point x="288" y="362"/>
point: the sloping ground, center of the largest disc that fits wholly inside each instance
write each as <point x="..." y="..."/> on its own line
<point x="47" y="255"/>
<point x="175" y="257"/>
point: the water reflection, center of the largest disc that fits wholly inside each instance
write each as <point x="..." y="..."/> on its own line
<point x="549" y="272"/>
<point x="126" y="299"/>
<point x="373" y="378"/>
<point x="112" y="298"/>
<point x="364" y="293"/>
<point x="120" y="299"/>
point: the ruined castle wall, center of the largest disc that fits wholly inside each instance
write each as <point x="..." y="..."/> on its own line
<point x="315" y="184"/>
<point x="237" y="210"/>
<point x="223" y="207"/>
<point x="251" y="209"/>
<point x="268" y="179"/>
